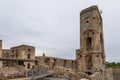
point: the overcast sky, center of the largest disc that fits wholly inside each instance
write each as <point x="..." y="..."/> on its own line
<point x="52" y="26"/>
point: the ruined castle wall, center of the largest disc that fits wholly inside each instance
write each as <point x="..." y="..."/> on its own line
<point x="28" y="65"/>
<point x="19" y="52"/>
<point x="91" y="55"/>
<point x="52" y="62"/>
<point x="96" y="76"/>
<point x="116" y="74"/>
<point x="0" y="52"/>
<point x="97" y="60"/>
<point x="80" y="58"/>
<point x="23" y="52"/>
<point x="0" y="48"/>
<point x="109" y="74"/>
<point x="113" y="74"/>
<point x="6" y="53"/>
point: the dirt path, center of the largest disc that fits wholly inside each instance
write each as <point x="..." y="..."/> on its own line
<point x="20" y="79"/>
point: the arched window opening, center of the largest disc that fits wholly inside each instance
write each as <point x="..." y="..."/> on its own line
<point x="64" y="64"/>
<point x="28" y="65"/>
<point x="29" y="50"/>
<point x="47" y="61"/>
<point x="28" y="56"/>
<point x="88" y="43"/>
<point x="16" y="55"/>
<point x="54" y="62"/>
<point x="36" y="62"/>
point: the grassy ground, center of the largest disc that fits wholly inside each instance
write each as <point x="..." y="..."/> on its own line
<point x="114" y="67"/>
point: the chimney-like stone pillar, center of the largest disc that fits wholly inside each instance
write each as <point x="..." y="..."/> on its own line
<point x="0" y="52"/>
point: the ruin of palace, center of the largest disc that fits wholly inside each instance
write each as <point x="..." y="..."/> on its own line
<point x="90" y="58"/>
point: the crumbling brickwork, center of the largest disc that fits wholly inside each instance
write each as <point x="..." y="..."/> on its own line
<point x="91" y="53"/>
<point x="90" y="58"/>
<point x="22" y="55"/>
<point x="52" y="62"/>
<point x="1" y="52"/>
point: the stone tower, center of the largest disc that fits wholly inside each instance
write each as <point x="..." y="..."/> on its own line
<point x="91" y="57"/>
<point x="0" y="52"/>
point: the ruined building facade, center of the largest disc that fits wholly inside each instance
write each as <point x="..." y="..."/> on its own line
<point x="22" y="55"/>
<point x="90" y="58"/>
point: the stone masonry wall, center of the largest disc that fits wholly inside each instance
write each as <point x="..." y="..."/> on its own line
<point x="109" y="74"/>
<point x="0" y="52"/>
<point x="52" y="62"/>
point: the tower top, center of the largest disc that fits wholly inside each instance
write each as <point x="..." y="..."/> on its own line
<point x="95" y="7"/>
